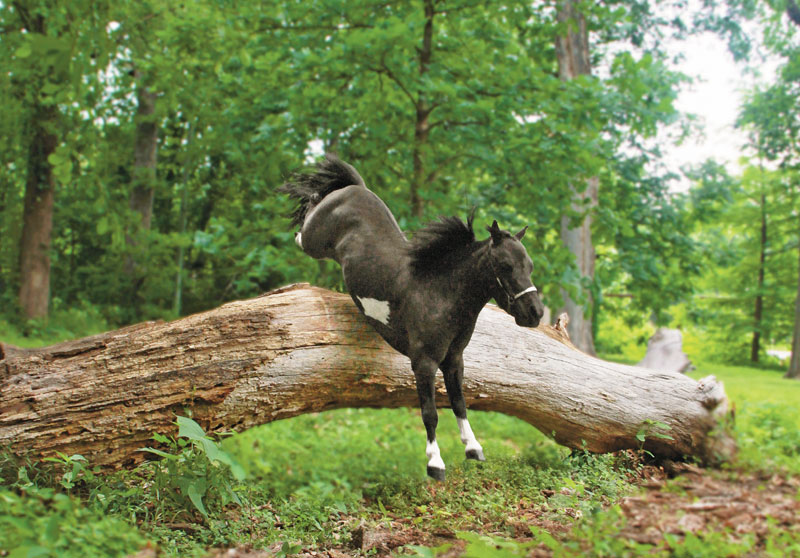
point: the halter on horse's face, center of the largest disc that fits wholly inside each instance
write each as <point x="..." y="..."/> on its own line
<point x="512" y="267"/>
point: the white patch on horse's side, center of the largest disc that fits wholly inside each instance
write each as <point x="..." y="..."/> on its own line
<point x="376" y="309"/>
<point x="467" y="437"/>
<point x="298" y="238"/>
<point x="434" y="456"/>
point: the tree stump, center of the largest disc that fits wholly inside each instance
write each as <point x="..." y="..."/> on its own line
<point x="665" y="352"/>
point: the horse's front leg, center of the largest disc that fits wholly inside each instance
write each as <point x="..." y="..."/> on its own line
<point x="453" y="370"/>
<point x="425" y="373"/>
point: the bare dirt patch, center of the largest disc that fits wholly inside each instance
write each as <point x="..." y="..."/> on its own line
<point x="702" y="500"/>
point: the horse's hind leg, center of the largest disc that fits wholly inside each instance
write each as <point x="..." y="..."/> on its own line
<point x="453" y="370"/>
<point x="321" y="228"/>
<point x="425" y="373"/>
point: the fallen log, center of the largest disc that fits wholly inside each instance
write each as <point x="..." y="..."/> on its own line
<point x="302" y="349"/>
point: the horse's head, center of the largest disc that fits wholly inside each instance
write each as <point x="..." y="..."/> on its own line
<point x="512" y="266"/>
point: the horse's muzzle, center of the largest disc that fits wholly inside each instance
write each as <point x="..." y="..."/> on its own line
<point x="528" y="310"/>
<point x="527" y="321"/>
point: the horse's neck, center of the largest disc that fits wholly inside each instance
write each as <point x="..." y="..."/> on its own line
<point x="475" y="278"/>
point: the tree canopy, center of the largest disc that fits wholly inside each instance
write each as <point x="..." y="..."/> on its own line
<point x="441" y="106"/>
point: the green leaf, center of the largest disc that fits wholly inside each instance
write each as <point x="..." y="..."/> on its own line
<point x="158" y="452"/>
<point x="211" y="449"/>
<point x="161" y="438"/>
<point x="102" y="225"/>
<point x="187" y="428"/>
<point x="196" y="496"/>
<point x="23" y="51"/>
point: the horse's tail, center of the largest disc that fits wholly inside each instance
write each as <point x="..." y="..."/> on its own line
<point x="308" y="188"/>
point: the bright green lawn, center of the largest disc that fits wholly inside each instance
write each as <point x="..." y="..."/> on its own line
<point x="752" y="385"/>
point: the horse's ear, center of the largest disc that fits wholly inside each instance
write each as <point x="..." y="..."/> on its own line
<point x="521" y="233"/>
<point x="494" y="230"/>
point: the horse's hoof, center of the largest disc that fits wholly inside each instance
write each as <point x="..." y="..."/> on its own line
<point x="436" y="473"/>
<point x="475" y="454"/>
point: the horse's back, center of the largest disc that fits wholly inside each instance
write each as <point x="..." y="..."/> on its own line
<point x="371" y="249"/>
<point x="347" y="222"/>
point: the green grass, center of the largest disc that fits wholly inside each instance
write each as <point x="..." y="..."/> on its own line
<point x="62" y="325"/>
<point x="370" y="463"/>
<point x="366" y="447"/>
<point x="753" y="385"/>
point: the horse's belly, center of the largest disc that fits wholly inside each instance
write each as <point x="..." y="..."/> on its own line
<point x="393" y="333"/>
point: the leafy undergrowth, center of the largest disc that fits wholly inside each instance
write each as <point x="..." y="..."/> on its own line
<point x="63" y="324"/>
<point x="352" y="483"/>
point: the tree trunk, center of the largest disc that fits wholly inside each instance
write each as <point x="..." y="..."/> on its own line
<point x="758" y="311"/>
<point x="37" y="220"/>
<point x="303" y="349"/>
<point x="572" y="52"/>
<point x="423" y="111"/>
<point x="794" y="364"/>
<point x="144" y="170"/>
<point x="579" y="241"/>
<point x="793" y="11"/>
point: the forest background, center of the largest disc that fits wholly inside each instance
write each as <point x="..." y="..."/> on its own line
<point x="142" y="144"/>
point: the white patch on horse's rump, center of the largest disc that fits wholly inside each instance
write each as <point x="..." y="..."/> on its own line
<point x="434" y="455"/>
<point x="376" y="309"/>
<point x="467" y="437"/>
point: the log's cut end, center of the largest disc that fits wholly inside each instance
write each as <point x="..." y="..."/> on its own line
<point x="303" y="349"/>
<point x="713" y="395"/>
<point x="719" y="444"/>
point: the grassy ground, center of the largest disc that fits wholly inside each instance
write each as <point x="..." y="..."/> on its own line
<point x="319" y="483"/>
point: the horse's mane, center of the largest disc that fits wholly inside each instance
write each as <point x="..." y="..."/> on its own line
<point x="432" y="246"/>
<point x="309" y="187"/>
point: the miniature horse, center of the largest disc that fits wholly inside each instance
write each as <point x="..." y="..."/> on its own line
<point x="423" y="296"/>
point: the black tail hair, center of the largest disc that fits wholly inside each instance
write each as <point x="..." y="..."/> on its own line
<point x="310" y="186"/>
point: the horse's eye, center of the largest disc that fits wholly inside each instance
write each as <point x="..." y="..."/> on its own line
<point x="506" y="267"/>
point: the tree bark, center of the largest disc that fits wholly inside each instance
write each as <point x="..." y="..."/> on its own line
<point x="37" y="219"/>
<point x="794" y="364"/>
<point x="303" y="349"/>
<point x="793" y="11"/>
<point x="758" y="311"/>
<point x="423" y="111"/>
<point x="144" y="170"/>
<point x="572" y="52"/>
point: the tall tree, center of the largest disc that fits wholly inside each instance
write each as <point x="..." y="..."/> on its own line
<point x="144" y="168"/>
<point x="758" y="311"/>
<point x="423" y="110"/>
<point x="772" y="112"/>
<point x="56" y="48"/>
<point x="37" y="220"/>
<point x="572" y="52"/>
<point x="794" y="363"/>
<point x="793" y="11"/>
